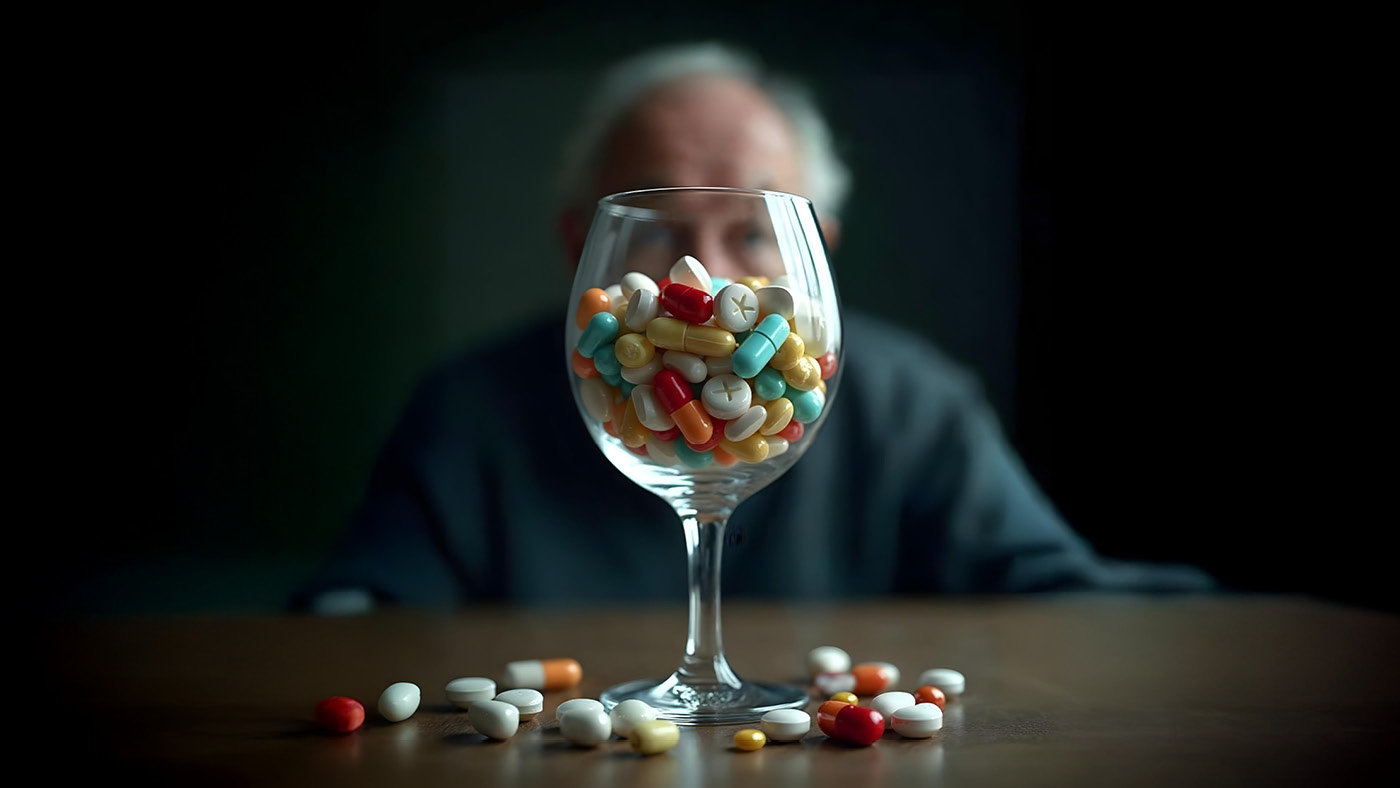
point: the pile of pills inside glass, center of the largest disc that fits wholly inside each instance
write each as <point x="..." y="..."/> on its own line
<point x="694" y="370"/>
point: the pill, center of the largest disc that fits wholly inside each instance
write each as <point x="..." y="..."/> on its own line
<point x="653" y="737"/>
<point x="736" y="308"/>
<point x="339" y="714"/>
<point x="605" y="360"/>
<point x="782" y="280"/>
<point x="918" y="722"/>
<point x="636" y="280"/>
<point x="749" y="739"/>
<point x="776" y="416"/>
<point x="634" y="350"/>
<point x="777" y="447"/>
<point x="846" y="697"/>
<point x="769" y="384"/>
<point x="827" y="362"/>
<point x="543" y="674"/>
<point x="583" y="367"/>
<point x="593" y="394"/>
<point x="619" y="311"/>
<point x="753" y="449"/>
<point x="585" y="726"/>
<point x="649" y="411"/>
<point x="831" y="683"/>
<point x="689" y="271"/>
<point x="726" y="396"/>
<point x="850" y="723"/>
<point x="673" y="334"/>
<point x="628" y="713"/>
<point x="792" y="432"/>
<point x="688" y="365"/>
<point x="806" y="405"/>
<point x="494" y="719"/>
<point x="601" y="330"/>
<point x="399" y="700"/>
<point x="692" y="458"/>
<point x="593" y="301"/>
<point x="786" y="724"/>
<point x="946" y="679"/>
<point x="776" y="300"/>
<point x="827" y="659"/>
<point x="873" y="678"/>
<point x="578" y="703"/>
<point x="747" y="424"/>
<point x="467" y="691"/>
<point x="527" y="702"/>
<point x="930" y="694"/>
<point x="718" y="283"/>
<point x="644" y="373"/>
<point x="811" y="325"/>
<point x="716" y="435"/>
<point x="663" y="451"/>
<point x="887" y="703"/>
<point x="722" y="457"/>
<point x="759" y="347"/>
<point x="753" y="282"/>
<point x="804" y="375"/>
<point x="688" y="303"/>
<point x="642" y="308"/>
<point x="633" y="434"/>
<point x="789" y="353"/>
<point x="717" y="365"/>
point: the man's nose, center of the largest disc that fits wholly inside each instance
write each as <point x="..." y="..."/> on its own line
<point x="715" y="255"/>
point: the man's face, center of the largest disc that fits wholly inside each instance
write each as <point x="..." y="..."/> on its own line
<point x="706" y="131"/>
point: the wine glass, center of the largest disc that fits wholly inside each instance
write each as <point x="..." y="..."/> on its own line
<point x="658" y="353"/>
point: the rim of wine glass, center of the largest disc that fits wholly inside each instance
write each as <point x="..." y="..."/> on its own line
<point x="612" y="204"/>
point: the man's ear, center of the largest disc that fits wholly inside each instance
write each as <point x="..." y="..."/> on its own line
<point x="573" y="233"/>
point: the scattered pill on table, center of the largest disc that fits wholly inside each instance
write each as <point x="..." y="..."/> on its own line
<point x="750" y="739"/>
<point x="585" y="726"/>
<point x="494" y="719"/>
<point x="930" y="694"/>
<point x="846" y="697"/>
<point x="463" y="692"/>
<point x="652" y="737"/>
<point x="950" y="681"/>
<point x="832" y="683"/>
<point x="786" y="724"/>
<point x="849" y="723"/>
<point x="527" y="701"/>
<point x="339" y="714"/>
<point x="578" y="703"/>
<point x="873" y="678"/>
<point x="399" y="701"/>
<point x="887" y="703"/>
<point x="917" y="722"/>
<point x="827" y="659"/>
<point x="543" y="674"/>
<point x="628" y="713"/>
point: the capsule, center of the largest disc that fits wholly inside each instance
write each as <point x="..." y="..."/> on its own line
<point x="789" y="353"/>
<point x="633" y="351"/>
<point x="672" y="334"/>
<point x="605" y="360"/>
<point x="688" y="303"/>
<point x="652" y="737"/>
<point x="632" y="432"/>
<point x="583" y="367"/>
<point x="601" y="330"/>
<point x="716" y="435"/>
<point x="769" y="384"/>
<point x="723" y="457"/>
<point x="846" y="697"/>
<point x="692" y="458"/>
<point x="760" y="346"/>
<point x="676" y="399"/>
<point x="749" y="739"/>
<point x="751" y="449"/>
<point x="593" y="301"/>
<point x="850" y="723"/>
<point x="777" y="415"/>
<point x="544" y="674"/>
<point x="873" y="678"/>
<point x="827" y="361"/>
<point x="806" y="405"/>
<point x="642" y="308"/>
<point x="804" y="375"/>
<point x="792" y="432"/>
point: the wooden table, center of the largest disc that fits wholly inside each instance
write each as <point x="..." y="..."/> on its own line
<point x="1063" y="691"/>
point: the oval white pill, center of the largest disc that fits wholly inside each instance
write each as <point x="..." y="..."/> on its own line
<point x="649" y="411"/>
<point x="747" y="424"/>
<point x="527" y="701"/>
<point x="786" y="724"/>
<point x="636" y="280"/>
<point x="662" y="451"/>
<point x="585" y="726"/>
<point x="467" y="691"/>
<point x="628" y="713"/>
<point x="687" y="365"/>
<point x="643" y="374"/>
<point x="946" y="679"/>
<point x="776" y="300"/>
<point x="726" y="396"/>
<point x="494" y="719"/>
<point x="887" y="703"/>
<point x="689" y="271"/>
<point x="399" y="701"/>
<point x="827" y="659"/>
<point x="917" y="722"/>
<point x="736" y="308"/>
<point x="614" y="294"/>
<point x="594" y="395"/>
<point x="641" y="310"/>
<point x="718" y="365"/>
<point x="578" y="703"/>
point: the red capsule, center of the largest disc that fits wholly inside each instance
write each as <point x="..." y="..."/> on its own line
<point x="671" y="390"/>
<point x="664" y="282"/>
<point x="827" y="362"/>
<point x="849" y="723"/>
<point x="791" y="432"/>
<point x="715" y="437"/>
<point x="341" y="715"/>
<point x="690" y="304"/>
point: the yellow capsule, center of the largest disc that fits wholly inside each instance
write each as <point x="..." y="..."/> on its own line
<point x="751" y="449"/>
<point x="632" y="432"/>
<point x="804" y="375"/>
<point x="750" y="739"/>
<point x="633" y="350"/>
<point x="791" y="352"/>
<point x="846" y="697"/>
<point x="669" y="333"/>
<point x="779" y="414"/>
<point x="651" y="737"/>
<point x="753" y="282"/>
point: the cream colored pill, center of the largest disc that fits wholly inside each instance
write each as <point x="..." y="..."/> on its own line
<point x="494" y="719"/>
<point x="642" y="308"/>
<point x="811" y="325"/>
<point x="635" y="281"/>
<point x="653" y="737"/>
<point x="579" y="703"/>
<point x="596" y="398"/>
<point x="917" y="722"/>
<point x="726" y="396"/>
<point x="627" y="714"/>
<point x="585" y="726"/>
<point x="786" y="724"/>
<point x="776" y="300"/>
<point x="887" y="703"/>
<point x="399" y="701"/>
<point x="663" y="452"/>
<point x="827" y="659"/>
<point x="736" y="308"/>
<point x="776" y="446"/>
<point x="649" y="411"/>
<point x="689" y="271"/>
<point x="643" y="374"/>
<point x="746" y="425"/>
<point x="526" y="701"/>
<point x="949" y="680"/>
<point x="614" y="294"/>
<point x="687" y="365"/>
<point x="467" y="691"/>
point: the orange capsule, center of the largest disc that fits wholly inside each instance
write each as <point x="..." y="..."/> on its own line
<point x="930" y="694"/>
<point x="593" y="301"/>
<point x="872" y="678"/>
<point x="583" y="367"/>
<point x="723" y="457"/>
<point x="543" y="674"/>
<point x="694" y="423"/>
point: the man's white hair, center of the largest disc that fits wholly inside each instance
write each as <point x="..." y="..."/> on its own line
<point x="826" y="176"/>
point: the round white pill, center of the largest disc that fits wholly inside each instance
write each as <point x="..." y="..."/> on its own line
<point x="642" y="308"/>
<point x="636" y="280"/>
<point x="887" y="703"/>
<point x="465" y="692"/>
<point x="917" y="722"/>
<point x="946" y="679"/>
<point x="529" y="702"/>
<point x="585" y="726"/>
<point x="726" y="396"/>
<point x="494" y="719"/>
<point x="747" y="424"/>
<point x="628" y="713"/>
<point x="786" y="724"/>
<point x="687" y="365"/>
<point x="736" y="308"/>
<point x="827" y="659"/>
<point x="578" y="703"/>
<point x="689" y="271"/>
<point x="832" y="683"/>
<point x="399" y="701"/>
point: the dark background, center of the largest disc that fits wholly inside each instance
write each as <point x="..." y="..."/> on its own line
<point x="292" y="215"/>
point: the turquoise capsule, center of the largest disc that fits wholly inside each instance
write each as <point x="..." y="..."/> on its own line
<point x="717" y="284"/>
<point x="627" y="388"/>
<point x="760" y="346"/>
<point x="769" y="384"/>
<point x="605" y="359"/>
<point x="806" y="405"/>
<point x="693" y="458"/>
<point x="601" y="330"/>
<point x="612" y="378"/>
<point x="774" y="327"/>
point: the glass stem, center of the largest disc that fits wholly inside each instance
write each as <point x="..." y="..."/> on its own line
<point x="704" y="664"/>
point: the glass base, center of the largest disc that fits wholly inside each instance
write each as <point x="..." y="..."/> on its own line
<point x="721" y="704"/>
